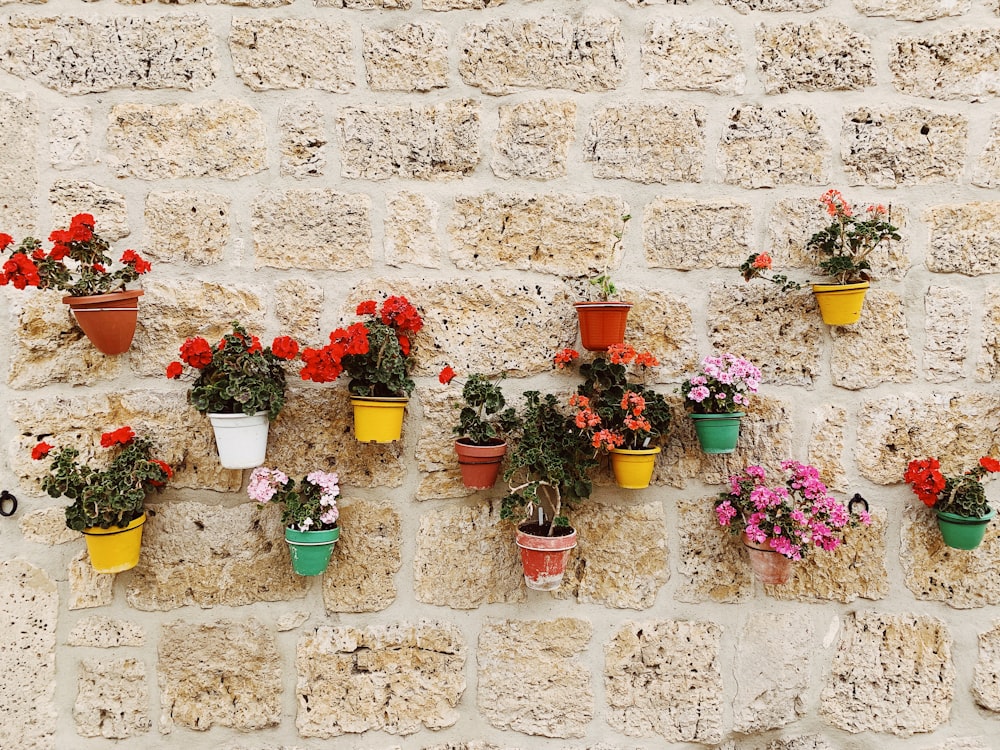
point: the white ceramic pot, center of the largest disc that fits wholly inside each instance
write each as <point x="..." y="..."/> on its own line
<point x="241" y="439"/>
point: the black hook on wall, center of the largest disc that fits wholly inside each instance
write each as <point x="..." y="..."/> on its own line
<point x="857" y="499"/>
<point x="8" y="504"/>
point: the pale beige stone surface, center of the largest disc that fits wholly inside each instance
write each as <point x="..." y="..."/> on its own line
<point x="819" y="55"/>
<point x="986" y="685"/>
<point x="365" y="561"/>
<point x="70" y="130"/>
<point x="827" y="445"/>
<point x="946" y="333"/>
<point x="440" y="5"/>
<point x="18" y="151"/>
<point x="112" y="699"/>
<point x="711" y="559"/>
<point x="506" y="54"/>
<point x="962" y="743"/>
<point x="189" y="226"/>
<point x="956" y="64"/>
<point x="70" y="197"/>
<point x="662" y="678"/>
<point x="291" y="621"/>
<point x="687" y="234"/>
<point x="365" y="4"/>
<point x="877" y="348"/>
<point x="298" y="306"/>
<point x="225" y="673"/>
<point x="961" y="240"/>
<point x="87" y="587"/>
<point x="531" y="679"/>
<point x="47" y="526"/>
<point x="891" y="673"/>
<point x="662" y="323"/>
<point x="411" y="226"/>
<point x="396" y="678"/>
<point x="408" y="57"/>
<point x="292" y="53"/>
<point x="986" y="169"/>
<point x="766" y="147"/>
<point x="533" y="139"/>
<point x="100" y="631"/>
<point x="435" y="452"/>
<point x="912" y="10"/>
<point x="303" y="140"/>
<point x="692" y="54"/>
<point x="803" y="6"/>
<point x="988" y="364"/>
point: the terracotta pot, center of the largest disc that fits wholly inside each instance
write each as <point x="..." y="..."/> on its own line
<point x="544" y="557"/>
<point x="768" y="566"/>
<point x="602" y="324"/>
<point x="840" y="304"/>
<point x="109" y="320"/>
<point x="480" y="464"/>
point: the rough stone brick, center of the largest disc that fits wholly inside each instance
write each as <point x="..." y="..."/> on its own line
<point x="662" y="323"/>
<point x="440" y="5"/>
<point x="225" y="673"/>
<point x="647" y="143"/>
<point x="903" y="146"/>
<point x="69" y="137"/>
<point x="408" y="57"/>
<point x="877" y="348"/>
<point x="319" y="229"/>
<point x="986" y="171"/>
<point x="988" y="366"/>
<point x="298" y="305"/>
<point x="802" y="6"/>
<point x="292" y="53"/>
<point x="505" y="54"/>
<point x="47" y="526"/>
<point x="303" y="140"/>
<point x="815" y="56"/>
<point x="71" y="197"/>
<point x="912" y="10"/>
<point x="803" y="742"/>
<point x="773" y="146"/>
<point x="112" y="699"/>
<point x="986" y="686"/>
<point x="531" y="679"/>
<point x="957" y="64"/>
<point x="411" y="226"/>
<point x="692" y="54"/>
<point x="364" y="4"/>
<point x="711" y="563"/>
<point x="365" y="560"/>
<point x="98" y="631"/>
<point x="533" y="139"/>
<point x="688" y="234"/>
<point x="18" y="154"/>
<point x="76" y="55"/>
<point x="29" y="605"/>
<point x="891" y="673"/>
<point x="189" y="226"/>
<point x="435" y="452"/>
<point x="662" y="678"/>
<point x="826" y="446"/>
<point x="87" y="587"/>
<point x="946" y="332"/>
<point x="962" y="238"/>
<point x="395" y="678"/>
<point x="425" y="142"/>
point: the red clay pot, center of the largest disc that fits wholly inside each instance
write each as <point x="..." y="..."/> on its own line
<point x="544" y="557"/>
<point x="480" y="464"/>
<point x="768" y="566"/>
<point x="602" y="324"/>
<point x="109" y="320"/>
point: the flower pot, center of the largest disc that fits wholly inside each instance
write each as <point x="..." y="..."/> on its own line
<point x="115" y="549"/>
<point x="108" y="319"/>
<point x="480" y="464"/>
<point x="963" y="532"/>
<point x="378" y="420"/>
<point x="717" y="433"/>
<point x="544" y="557"/>
<point x="633" y="468"/>
<point x="840" y="304"/>
<point x="241" y="439"/>
<point x="768" y="566"/>
<point x="601" y="323"/>
<point x="310" y="550"/>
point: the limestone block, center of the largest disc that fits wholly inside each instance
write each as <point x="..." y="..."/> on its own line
<point x="957" y="64"/>
<point x="647" y="143"/>
<point x="411" y="226"/>
<point x="365" y="560"/>
<point x="460" y="4"/>
<point x="877" y="348"/>
<point x="435" y="453"/>
<point x="189" y="226"/>
<point x="112" y="699"/>
<point x="962" y="240"/>
<point x="891" y="673"/>
<point x="903" y="146"/>
<point x="292" y="53"/>
<point x="946" y="332"/>
<point x="318" y="229"/>
<point x="291" y="621"/>
<point x="47" y="526"/>
<point x="815" y="56"/>
<point x="98" y="631"/>
<point x="193" y="553"/>
<point x="766" y="147"/>
<point x="692" y="54"/>
<point x="71" y="197"/>
<point x="662" y="678"/>
<point x="408" y="57"/>
<point x="298" y="305"/>
<point x="712" y="563"/>
<point x="529" y="678"/>
<point x="988" y="366"/>
<point x="466" y="557"/>
<point x="986" y="687"/>
<point x="432" y="141"/>
<point x="662" y="322"/>
<point x="826" y="446"/>
<point x="687" y="234"/>
<point x="221" y="138"/>
<point x="18" y="153"/>
<point x="505" y="54"/>
<point x="562" y="233"/>
<point x="29" y="604"/>
<point x="804" y="742"/>
<point x="802" y="6"/>
<point x="364" y="4"/>
<point x="533" y="139"/>
<point x="303" y="140"/>
<point x="88" y="588"/>
<point x="69" y="137"/>
<point x="75" y="55"/>
<point x="986" y="170"/>
<point x="395" y="678"/>
<point x="225" y="673"/>
<point x="772" y="667"/>
<point x="912" y="10"/>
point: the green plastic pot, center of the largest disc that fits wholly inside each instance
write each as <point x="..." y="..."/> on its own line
<point x="963" y="532"/>
<point x="718" y="433"/>
<point x="310" y="550"/>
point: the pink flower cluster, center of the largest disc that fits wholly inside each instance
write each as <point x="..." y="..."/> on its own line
<point x="313" y="503"/>
<point x="328" y="483"/>
<point x="264" y="483"/>
<point x="723" y="385"/>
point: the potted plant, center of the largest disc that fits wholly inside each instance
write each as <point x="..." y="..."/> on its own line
<point x="958" y="501"/>
<point x="78" y="264"/>
<point x="309" y="516"/>
<point x="377" y="355"/>
<point x="107" y="502"/>
<point x="483" y="425"/>
<point x="241" y="387"/>
<point x="602" y="321"/>
<point x="716" y="396"/>
<point x="783" y="523"/>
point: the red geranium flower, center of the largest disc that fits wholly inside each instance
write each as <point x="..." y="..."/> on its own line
<point x="566" y="356"/>
<point x="989" y="463"/>
<point x="132" y="257"/>
<point x="285" y="347"/>
<point x="446" y="375"/>
<point x="41" y="450"/>
<point x="5" y="239"/>
<point x="174" y="370"/>
<point x="196" y="352"/>
<point x="123" y="435"/>
<point x="367" y="307"/>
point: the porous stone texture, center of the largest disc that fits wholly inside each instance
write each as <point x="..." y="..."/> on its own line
<point x="662" y="678"/>
<point x="365" y="560"/>
<point x="804" y="6"/>
<point x="961" y="239"/>
<point x="435" y="453"/>
<point x="946" y="332"/>
<point x="411" y="226"/>
<point x="647" y="143"/>
<point x="957" y="64"/>
<point x="433" y="141"/>
<point x="531" y="679"/>
<point x="826" y="445"/>
<point x="891" y="673"/>
<point x="908" y="146"/>
<point x="319" y="229"/>
<point x="298" y="306"/>
<point x="460" y="4"/>
<point x="226" y="673"/>
<point x="505" y="54"/>
<point x="47" y="526"/>
<point x="877" y="348"/>
<point x="303" y="140"/>
<point x="365" y="4"/>
<point x="99" y="631"/>
<point x="87" y="587"/>
<point x="292" y="53"/>
<point x="662" y="323"/>
<point x="75" y="55"/>
<point x="986" y="170"/>
<point x="688" y="234"/>
<point x="71" y="197"/>
<point x="29" y="606"/>
<point x="988" y="365"/>
<point x="532" y="139"/>
<point x="18" y="152"/>
<point x="408" y="57"/>
<point x="221" y="138"/>
<point x="822" y="55"/>
<point x="692" y="54"/>
<point x="711" y="561"/>
<point x="395" y="678"/>
<point x="188" y="226"/>
<point x="112" y="699"/>
<point x="291" y="621"/>
<point x="913" y="10"/>
<point x="766" y="147"/>
<point x="69" y="137"/>
<point x="986" y="685"/>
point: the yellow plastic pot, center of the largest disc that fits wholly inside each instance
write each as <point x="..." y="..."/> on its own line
<point x="378" y="420"/>
<point x="633" y="469"/>
<point x="840" y="304"/>
<point x="115" y="549"/>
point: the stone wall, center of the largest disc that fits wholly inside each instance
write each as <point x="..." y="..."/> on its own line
<point x="281" y="160"/>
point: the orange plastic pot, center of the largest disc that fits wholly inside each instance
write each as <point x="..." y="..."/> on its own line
<point x="602" y="324"/>
<point x="768" y="566"/>
<point x="544" y="558"/>
<point x="109" y="320"/>
<point x="480" y="464"/>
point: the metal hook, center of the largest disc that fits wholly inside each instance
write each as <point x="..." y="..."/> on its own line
<point x="7" y="500"/>
<point x="856" y="499"/>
